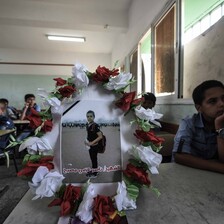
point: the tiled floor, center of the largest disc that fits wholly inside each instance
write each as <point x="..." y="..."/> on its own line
<point x="12" y="188"/>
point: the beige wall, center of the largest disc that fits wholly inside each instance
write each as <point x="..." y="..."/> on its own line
<point x="203" y="58"/>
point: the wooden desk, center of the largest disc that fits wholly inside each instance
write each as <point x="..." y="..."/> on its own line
<point x="188" y="196"/>
<point x="5" y="132"/>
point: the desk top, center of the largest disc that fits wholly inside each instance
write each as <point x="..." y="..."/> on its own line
<point x="5" y="132"/>
<point x="21" y="121"/>
<point x="188" y="196"/>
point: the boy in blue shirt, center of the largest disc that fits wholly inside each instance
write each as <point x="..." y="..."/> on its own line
<point x="199" y="141"/>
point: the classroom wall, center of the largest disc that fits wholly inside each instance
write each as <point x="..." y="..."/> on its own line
<point x="203" y="58"/>
<point x="173" y="113"/>
<point x="141" y="16"/>
<point x="90" y="60"/>
<point x="14" y="87"/>
<point x="22" y="79"/>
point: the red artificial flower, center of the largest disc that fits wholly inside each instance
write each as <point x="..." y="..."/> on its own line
<point x="125" y="102"/>
<point x="31" y="167"/>
<point x="102" y="208"/>
<point x="137" y="174"/>
<point x="67" y="202"/>
<point x="34" y="118"/>
<point x="47" y="126"/>
<point x="103" y="74"/>
<point x="148" y="137"/>
<point x="60" y="81"/>
<point x="66" y="91"/>
<point x="137" y="102"/>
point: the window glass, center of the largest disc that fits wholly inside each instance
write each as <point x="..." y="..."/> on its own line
<point x="145" y="49"/>
<point x="165" y="40"/>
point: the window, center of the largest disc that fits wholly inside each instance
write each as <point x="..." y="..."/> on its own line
<point x="172" y="56"/>
<point x="134" y="69"/>
<point x="199" y="20"/>
<point x="164" y="53"/>
<point x="145" y="62"/>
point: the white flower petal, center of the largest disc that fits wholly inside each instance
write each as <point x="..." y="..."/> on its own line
<point x="148" y="156"/>
<point x="81" y="80"/>
<point x="122" y="199"/>
<point x="35" y="144"/>
<point x="45" y="183"/>
<point x="85" y="208"/>
<point x="118" y="82"/>
<point x="147" y="114"/>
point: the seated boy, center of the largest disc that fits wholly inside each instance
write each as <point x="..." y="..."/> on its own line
<point x="29" y="103"/>
<point x="8" y="111"/>
<point x="199" y="141"/>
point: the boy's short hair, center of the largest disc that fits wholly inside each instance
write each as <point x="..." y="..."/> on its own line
<point x="150" y="97"/>
<point x="29" y="95"/>
<point x="3" y="100"/>
<point x="198" y="94"/>
<point x="91" y="112"/>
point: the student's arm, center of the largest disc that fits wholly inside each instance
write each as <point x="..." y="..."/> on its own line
<point x="23" y="115"/>
<point x="11" y="114"/>
<point x="196" y="162"/>
<point x="100" y="136"/>
<point x="219" y="123"/>
<point x="183" y="155"/>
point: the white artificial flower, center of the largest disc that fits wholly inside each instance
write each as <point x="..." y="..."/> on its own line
<point x="85" y="208"/>
<point x="122" y="200"/>
<point x="35" y="145"/>
<point x="45" y="183"/>
<point x="54" y="102"/>
<point x="81" y="80"/>
<point x="148" y="114"/>
<point x="118" y="82"/>
<point x="148" y="156"/>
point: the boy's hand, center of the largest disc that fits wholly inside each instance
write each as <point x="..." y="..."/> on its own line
<point x="219" y="122"/>
<point x="27" y="105"/>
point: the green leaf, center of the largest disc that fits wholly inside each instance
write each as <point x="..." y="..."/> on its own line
<point x="61" y="191"/>
<point x="133" y="191"/>
<point x="89" y="74"/>
<point x="37" y="130"/>
<point x="116" y="63"/>
<point x="12" y="138"/>
<point x="85" y="186"/>
<point x="7" y="158"/>
<point x="155" y="190"/>
<point x="46" y="114"/>
<point x="25" y="159"/>
<point x="139" y="163"/>
<point x="35" y="158"/>
<point x="70" y="81"/>
<point x="121" y="213"/>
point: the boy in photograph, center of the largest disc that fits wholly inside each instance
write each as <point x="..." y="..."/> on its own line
<point x="94" y="135"/>
<point x="199" y="141"/>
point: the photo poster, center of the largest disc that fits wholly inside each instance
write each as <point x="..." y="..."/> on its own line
<point x="75" y="155"/>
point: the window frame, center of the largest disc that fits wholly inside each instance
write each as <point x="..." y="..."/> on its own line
<point x="178" y="64"/>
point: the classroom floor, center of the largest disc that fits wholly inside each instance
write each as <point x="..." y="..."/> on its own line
<point x="12" y="188"/>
